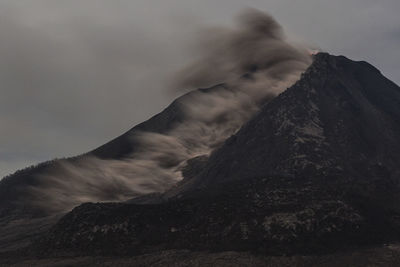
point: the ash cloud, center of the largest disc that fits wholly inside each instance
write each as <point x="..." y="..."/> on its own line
<point x="255" y="62"/>
<point x="256" y="45"/>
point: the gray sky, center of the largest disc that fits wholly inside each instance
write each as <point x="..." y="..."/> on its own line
<point x="76" y="73"/>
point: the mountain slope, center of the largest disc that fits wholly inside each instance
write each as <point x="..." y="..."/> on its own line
<point x="258" y="62"/>
<point x="160" y="123"/>
<point x="341" y="119"/>
<point x="316" y="170"/>
<point x="14" y="189"/>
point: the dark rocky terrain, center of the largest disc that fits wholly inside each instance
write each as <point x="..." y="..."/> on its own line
<point x="387" y="256"/>
<point x="315" y="172"/>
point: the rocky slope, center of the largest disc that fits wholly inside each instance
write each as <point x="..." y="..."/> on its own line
<point x="342" y="119"/>
<point x="316" y="170"/>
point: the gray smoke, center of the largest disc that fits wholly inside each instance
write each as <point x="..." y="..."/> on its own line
<point x="255" y="62"/>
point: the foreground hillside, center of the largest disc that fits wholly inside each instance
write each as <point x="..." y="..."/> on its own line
<point x="388" y="256"/>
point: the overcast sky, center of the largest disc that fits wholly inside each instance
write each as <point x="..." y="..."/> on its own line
<point x="76" y="73"/>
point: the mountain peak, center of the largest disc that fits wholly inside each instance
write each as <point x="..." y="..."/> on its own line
<point x="331" y="120"/>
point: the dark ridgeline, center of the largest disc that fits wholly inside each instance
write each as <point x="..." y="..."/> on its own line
<point x="316" y="170"/>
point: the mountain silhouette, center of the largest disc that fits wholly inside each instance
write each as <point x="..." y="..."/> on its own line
<point x="316" y="170"/>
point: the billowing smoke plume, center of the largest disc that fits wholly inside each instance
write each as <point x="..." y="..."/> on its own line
<point x="254" y="61"/>
<point x="257" y="45"/>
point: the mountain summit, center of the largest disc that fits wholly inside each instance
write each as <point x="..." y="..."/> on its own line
<point x="315" y="170"/>
<point x="340" y="121"/>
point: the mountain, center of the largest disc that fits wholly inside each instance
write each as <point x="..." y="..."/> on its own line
<point x="315" y="171"/>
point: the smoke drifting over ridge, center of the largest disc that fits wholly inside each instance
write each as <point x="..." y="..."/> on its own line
<point x="258" y="44"/>
<point x="255" y="62"/>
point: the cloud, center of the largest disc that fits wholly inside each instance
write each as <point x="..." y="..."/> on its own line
<point x="259" y="64"/>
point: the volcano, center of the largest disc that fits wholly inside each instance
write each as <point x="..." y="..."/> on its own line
<point x="315" y="171"/>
